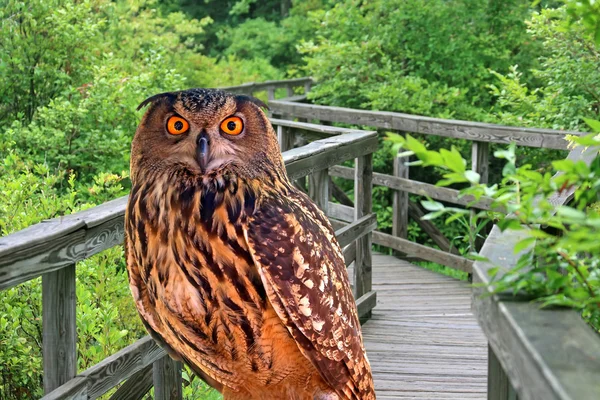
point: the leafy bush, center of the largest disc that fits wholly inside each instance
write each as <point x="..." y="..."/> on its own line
<point x="560" y="257"/>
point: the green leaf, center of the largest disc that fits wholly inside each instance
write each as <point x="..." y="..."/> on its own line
<point x="594" y="124"/>
<point x="524" y="244"/>
<point x="431" y="205"/>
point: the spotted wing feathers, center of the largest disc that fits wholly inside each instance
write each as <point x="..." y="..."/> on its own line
<point x="303" y="270"/>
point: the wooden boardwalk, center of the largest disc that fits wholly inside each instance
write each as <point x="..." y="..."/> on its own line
<point x="423" y="341"/>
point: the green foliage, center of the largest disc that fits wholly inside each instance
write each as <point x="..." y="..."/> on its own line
<point x="568" y="79"/>
<point x="559" y="262"/>
<point x="364" y="49"/>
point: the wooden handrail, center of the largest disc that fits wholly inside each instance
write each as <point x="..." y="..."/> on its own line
<point x="543" y="353"/>
<point x="473" y="131"/>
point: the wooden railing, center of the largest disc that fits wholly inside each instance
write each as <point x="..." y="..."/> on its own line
<point x="534" y="353"/>
<point x="52" y="248"/>
<point x="480" y="134"/>
<point x="270" y="87"/>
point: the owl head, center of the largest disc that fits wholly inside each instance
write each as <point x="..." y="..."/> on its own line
<point x="205" y="131"/>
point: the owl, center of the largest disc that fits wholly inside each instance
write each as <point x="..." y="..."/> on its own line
<point x="233" y="270"/>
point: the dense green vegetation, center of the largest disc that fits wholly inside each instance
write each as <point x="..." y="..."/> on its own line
<point x="72" y="73"/>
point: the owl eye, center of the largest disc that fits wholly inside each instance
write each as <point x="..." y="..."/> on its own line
<point x="177" y="125"/>
<point x="232" y="126"/>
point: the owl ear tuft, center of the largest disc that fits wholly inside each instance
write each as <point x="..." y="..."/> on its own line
<point x="242" y="98"/>
<point x="171" y="97"/>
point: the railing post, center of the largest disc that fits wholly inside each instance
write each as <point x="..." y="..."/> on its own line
<point x="307" y="86"/>
<point x="318" y="189"/>
<point x="59" y="334"/>
<point x="400" y="205"/>
<point x="290" y="90"/>
<point x="363" y="179"/>
<point x="271" y="93"/>
<point x="285" y="138"/>
<point x="480" y="152"/>
<point x="499" y="387"/>
<point x="166" y="374"/>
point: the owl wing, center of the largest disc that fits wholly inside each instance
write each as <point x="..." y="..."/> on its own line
<point x="302" y="268"/>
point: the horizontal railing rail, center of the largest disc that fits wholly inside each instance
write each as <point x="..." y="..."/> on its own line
<point x="534" y="353"/>
<point x="472" y="131"/>
<point x="52" y="248"/>
<point x="270" y="88"/>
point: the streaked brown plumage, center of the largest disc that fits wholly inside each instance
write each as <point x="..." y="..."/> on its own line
<point x="232" y="269"/>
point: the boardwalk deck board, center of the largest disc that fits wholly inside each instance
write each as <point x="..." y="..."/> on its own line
<point x="423" y="340"/>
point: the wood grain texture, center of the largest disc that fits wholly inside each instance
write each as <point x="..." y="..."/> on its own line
<point x="363" y="204"/>
<point x="136" y="387"/>
<point x="423" y="252"/>
<point x="499" y="387"/>
<point x="253" y="87"/>
<point x="166" y="374"/>
<point x="59" y="320"/>
<point x="474" y="131"/>
<point x="318" y="188"/>
<point x="546" y="353"/>
<point x="356" y="230"/>
<point x="422" y="340"/>
<point x="418" y="188"/>
<point x="400" y="201"/>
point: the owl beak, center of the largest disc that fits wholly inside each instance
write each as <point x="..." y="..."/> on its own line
<point x="202" y="151"/>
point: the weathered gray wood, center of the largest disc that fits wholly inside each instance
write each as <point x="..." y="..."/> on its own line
<point x="318" y="188"/>
<point x="400" y="202"/>
<point x="341" y="212"/>
<point x="252" y="87"/>
<point x="546" y="353"/>
<point x="59" y="333"/>
<point x="271" y="93"/>
<point x="102" y="377"/>
<point x="167" y="379"/>
<point x="480" y="154"/>
<point x="136" y="387"/>
<point x="363" y="178"/>
<point x="422" y="340"/>
<point x="419" y="188"/>
<point x="340" y="195"/>
<point x="325" y="153"/>
<point x="326" y="130"/>
<point x="356" y="230"/>
<point x="349" y="253"/>
<point x="290" y="90"/>
<point x="416" y="213"/>
<point x="499" y="387"/>
<point x="474" y="131"/>
<point x="75" y="389"/>
<point x="423" y="252"/>
<point x="366" y="303"/>
<point x="285" y="137"/>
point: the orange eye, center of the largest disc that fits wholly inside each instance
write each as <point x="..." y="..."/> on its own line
<point x="177" y="125"/>
<point x="232" y="125"/>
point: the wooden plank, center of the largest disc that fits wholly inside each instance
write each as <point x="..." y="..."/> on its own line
<point x="474" y="131"/>
<point x="419" y="188"/>
<point x="325" y="153"/>
<point x="363" y="184"/>
<point x="306" y="126"/>
<point x="366" y="303"/>
<point x="341" y="212"/>
<point x="75" y="389"/>
<point x="136" y="387"/>
<point x="102" y="377"/>
<point x="546" y="353"/>
<point x="423" y="252"/>
<point x="499" y="387"/>
<point x="416" y="213"/>
<point x="318" y="189"/>
<point x="167" y="379"/>
<point x="400" y="201"/>
<point x="59" y="319"/>
<point x="252" y="87"/>
<point x="356" y="230"/>
<point x="285" y="137"/>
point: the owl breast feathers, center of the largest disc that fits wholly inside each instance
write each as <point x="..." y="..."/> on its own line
<point x="233" y="270"/>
